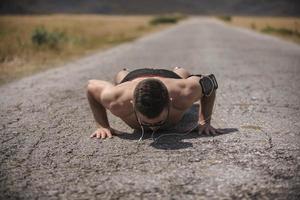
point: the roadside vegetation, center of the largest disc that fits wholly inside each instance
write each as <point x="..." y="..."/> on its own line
<point x="29" y="44"/>
<point x="167" y="19"/>
<point x="284" y="27"/>
<point x="225" y="18"/>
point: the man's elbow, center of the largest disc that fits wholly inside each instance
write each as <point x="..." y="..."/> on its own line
<point x="92" y="87"/>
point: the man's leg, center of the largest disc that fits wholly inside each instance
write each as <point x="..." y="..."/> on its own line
<point x="183" y="73"/>
<point x="120" y="76"/>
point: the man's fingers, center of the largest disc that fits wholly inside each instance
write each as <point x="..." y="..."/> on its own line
<point x="103" y="134"/>
<point x="206" y="131"/>
<point x="201" y="130"/>
<point x="109" y="135"/>
<point x="213" y="132"/>
<point x="98" y="135"/>
<point x="93" y="135"/>
<point x="209" y="130"/>
<point x="219" y="131"/>
<point x="106" y="133"/>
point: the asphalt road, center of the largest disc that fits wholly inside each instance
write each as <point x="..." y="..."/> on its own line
<point x="45" y="123"/>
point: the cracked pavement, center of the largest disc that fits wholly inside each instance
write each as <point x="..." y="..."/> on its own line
<point x="45" y="123"/>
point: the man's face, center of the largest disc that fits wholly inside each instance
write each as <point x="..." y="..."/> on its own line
<point x="156" y="122"/>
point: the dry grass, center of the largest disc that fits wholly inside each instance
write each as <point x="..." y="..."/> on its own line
<point x="284" y="27"/>
<point x="19" y="56"/>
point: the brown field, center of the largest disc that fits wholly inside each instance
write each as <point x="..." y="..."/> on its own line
<point x="72" y="37"/>
<point x="284" y="27"/>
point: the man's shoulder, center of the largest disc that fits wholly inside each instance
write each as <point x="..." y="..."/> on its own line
<point x="183" y="87"/>
<point x="117" y="94"/>
<point x="184" y="92"/>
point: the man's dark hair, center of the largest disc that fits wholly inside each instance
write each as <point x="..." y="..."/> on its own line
<point x="151" y="97"/>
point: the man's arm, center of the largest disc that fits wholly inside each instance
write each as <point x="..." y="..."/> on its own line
<point x="95" y="90"/>
<point x="207" y="104"/>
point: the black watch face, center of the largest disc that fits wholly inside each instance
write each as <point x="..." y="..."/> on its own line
<point x="207" y="85"/>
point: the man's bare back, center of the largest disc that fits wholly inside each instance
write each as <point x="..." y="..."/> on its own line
<point x="118" y="99"/>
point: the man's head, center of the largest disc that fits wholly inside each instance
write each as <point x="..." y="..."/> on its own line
<point x="151" y="99"/>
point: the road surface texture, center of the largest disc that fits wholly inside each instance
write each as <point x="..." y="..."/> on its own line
<point x="45" y="123"/>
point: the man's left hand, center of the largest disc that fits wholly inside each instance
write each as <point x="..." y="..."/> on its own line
<point x="209" y="130"/>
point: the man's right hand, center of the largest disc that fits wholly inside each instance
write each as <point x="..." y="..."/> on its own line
<point x="102" y="133"/>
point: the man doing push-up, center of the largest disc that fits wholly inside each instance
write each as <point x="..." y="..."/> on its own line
<point x="151" y="99"/>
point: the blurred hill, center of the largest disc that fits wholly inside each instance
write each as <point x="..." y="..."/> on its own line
<point x="201" y="7"/>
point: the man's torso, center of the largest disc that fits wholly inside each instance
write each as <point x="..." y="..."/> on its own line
<point x="118" y="100"/>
